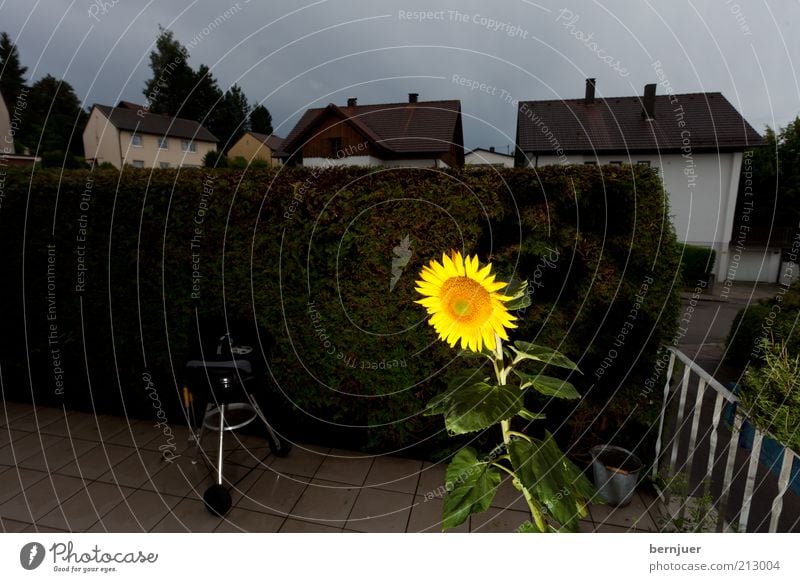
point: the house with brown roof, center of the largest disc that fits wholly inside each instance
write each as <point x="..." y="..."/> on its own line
<point x="257" y="146"/>
<point x="408" y="134"/>
<point x="6" y="135"/>
<point x="695" y="141"/>
<point x="130" y="134"/>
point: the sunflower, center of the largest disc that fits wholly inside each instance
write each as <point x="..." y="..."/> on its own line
<point x="463" y="302"/>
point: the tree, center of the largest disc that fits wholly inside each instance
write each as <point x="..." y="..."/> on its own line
<point x="169" y="90"/>
<point x="56" y="118"/>
<point x="205" y="99"/>
<point x="232" y="117"/>
<point x="261" y="120"/>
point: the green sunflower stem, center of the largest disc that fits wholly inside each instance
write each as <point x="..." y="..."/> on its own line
<point x="501" y="372"/>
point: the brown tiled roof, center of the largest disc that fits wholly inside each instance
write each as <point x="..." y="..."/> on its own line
<point x="273" y="142"/>
<point x="127" y="118"/>
<point x="617" y="124"/>
<point x="402" y="128"/>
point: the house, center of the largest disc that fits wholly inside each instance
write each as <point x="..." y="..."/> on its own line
<point x="257" y="146"/>
<point x="484" y="157"/>
<point x="695" y="141"/>
<point x="8" y="155"/>
<point x="424" y="134"/>
<point x="6" y="135"/>
<point x="130" y="134"/>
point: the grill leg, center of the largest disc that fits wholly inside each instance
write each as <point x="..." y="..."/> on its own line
<point x="221" y="435"/>
<point x="199" y="436"/>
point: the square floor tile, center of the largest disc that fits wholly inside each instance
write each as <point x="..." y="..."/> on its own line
<point x="38" y="418"/>
<point x="426" y="517"/>
<point x="135" y="434"/>
<point x="297" y="526"/>
<point x="325" y="502"/>
<point x="140" y="512"/>
<point x="174" y="438"/>
<point x="633" y="515"/>
<point x="86" y="507"/>
<point x="179" y="476"/>
<point x="496" y="520"/>
<point x="8" y="435"/>
<point x="101" y="428"/>
<point x="344" y="467"/>
<point x="379" y="511"/>
<point x="509" y="497"/>
<point x="189" y="515"/>
<point x="241" y="520"/>
<point x="14" y="480"/>
<point x="40" y="498"/>
<point x="96" y="461"/>
<point x="303" y="460"/>
<point x="67" y="426"/>
<point x="18" y="450"/>
<point x="55" y="454"/>
<point x="431" y="480"/>
<point x="135" y="470"/>
<point x="273" y="493"/>
<point x="12" y="526"/>
<point x="394" y="474"/>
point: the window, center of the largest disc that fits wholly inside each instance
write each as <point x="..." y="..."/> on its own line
<point x="336" y="146"/>
<point x="163" y="165"/>
<point x="137" y="163"/>
<point x="188" y="146"/>
<point x="163" y="143"/>
<point x="645" y="163"/>
<point x="136" y="141"/>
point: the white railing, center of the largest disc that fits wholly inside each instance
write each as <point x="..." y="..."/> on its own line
<point x="704" y="382"/>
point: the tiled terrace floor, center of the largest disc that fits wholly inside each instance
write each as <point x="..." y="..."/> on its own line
<point x="70" y="471"/>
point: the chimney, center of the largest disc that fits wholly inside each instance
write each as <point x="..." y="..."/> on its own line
<point x="491" y="149"/>
<point x="352" y="101"/>
<point x="649" y="101"/>
<point x="590" y="85"/>
<point x="413" y="97"/>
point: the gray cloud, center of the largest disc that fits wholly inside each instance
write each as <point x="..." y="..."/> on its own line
<point x="295" y="55"/>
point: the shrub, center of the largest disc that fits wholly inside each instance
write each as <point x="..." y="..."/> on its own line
<point x="696" y="264"/>
<point x="771" y="393"/>
<point x="308" y="254"/>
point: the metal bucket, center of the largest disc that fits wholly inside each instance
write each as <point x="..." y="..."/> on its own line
<point x="616" y="473"/>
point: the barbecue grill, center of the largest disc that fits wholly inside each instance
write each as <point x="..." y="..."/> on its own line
<point x="226" y="372"/>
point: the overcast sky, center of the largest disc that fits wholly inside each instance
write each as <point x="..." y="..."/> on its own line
<point x="294" y="54"/>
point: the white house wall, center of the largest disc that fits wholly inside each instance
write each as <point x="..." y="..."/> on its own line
<point x="702" y="208"/>
<point x="6" y="137"/>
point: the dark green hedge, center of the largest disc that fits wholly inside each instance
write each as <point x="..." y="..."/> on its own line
<point x="308" y="254"/>
<point x="696" y="263"/>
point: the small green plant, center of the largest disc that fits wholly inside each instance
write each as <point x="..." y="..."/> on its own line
<point x="771" y="393"/>
<point x="684" y="513"/>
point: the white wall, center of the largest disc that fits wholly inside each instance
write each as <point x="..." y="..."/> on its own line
<point x="6" y="137"/>
<point x="702" y="205"/>
<point x="484" y="158"/>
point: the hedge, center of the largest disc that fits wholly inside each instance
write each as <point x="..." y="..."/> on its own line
<point x="133" y="257"/>
<point x="696" y="263"/>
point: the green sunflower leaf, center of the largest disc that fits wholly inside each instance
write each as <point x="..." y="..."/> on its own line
<point x="551" y="479"/>
<point x="476" y="406"/>
<point x="549" y="386"/>
<point x="471" y="485"/>
<point x="529" y="351"/>
<point x="518" y="291"/>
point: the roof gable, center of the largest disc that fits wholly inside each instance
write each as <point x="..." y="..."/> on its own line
<point x="128" y="118"/>
<point x="398" y="128"/>
<point x="707" y="120"/>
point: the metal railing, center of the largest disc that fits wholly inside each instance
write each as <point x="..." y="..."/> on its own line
<point x="699" y="381"/>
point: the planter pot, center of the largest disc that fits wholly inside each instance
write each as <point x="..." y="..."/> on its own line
<point x="616" y="473"/>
